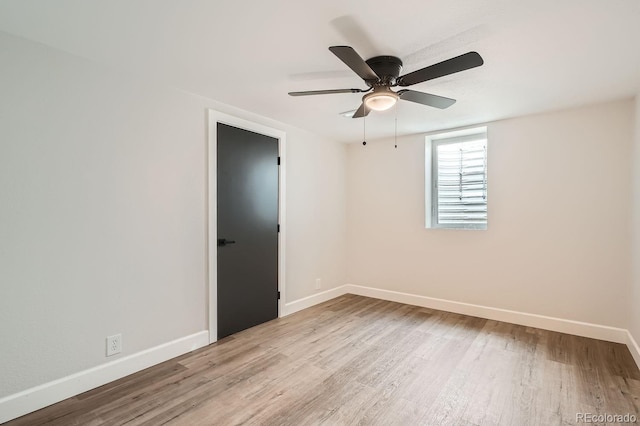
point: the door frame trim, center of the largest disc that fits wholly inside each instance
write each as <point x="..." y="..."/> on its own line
<point x="215" y="117"/>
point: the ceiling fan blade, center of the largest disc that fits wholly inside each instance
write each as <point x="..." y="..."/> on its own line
<point x="426" y="99"/>
<point x="450" y="66"/>
<point x="351" y="58"/>
<point x="363" y="111"/>
<point x="353" y="32"/>
<point x="325" y="92"/>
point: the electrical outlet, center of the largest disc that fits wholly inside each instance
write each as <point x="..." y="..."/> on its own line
<point x="114" y="344"/>
<point x="318" y="283"/>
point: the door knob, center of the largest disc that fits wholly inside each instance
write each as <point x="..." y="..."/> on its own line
<point x="223" y="242"/>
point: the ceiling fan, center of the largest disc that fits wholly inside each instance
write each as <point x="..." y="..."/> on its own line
<point x="381" y="73"/>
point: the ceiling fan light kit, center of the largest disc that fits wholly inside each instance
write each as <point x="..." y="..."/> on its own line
<point x="381" y="99"/>
<point x="381" y="73"/>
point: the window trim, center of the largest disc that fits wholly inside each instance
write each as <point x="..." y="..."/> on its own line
<point x="431" y="199"/>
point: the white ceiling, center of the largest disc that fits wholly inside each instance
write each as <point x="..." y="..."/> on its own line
<point x="539" y="54"/>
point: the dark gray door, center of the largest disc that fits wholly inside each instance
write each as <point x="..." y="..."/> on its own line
<point x="247" y="229"/>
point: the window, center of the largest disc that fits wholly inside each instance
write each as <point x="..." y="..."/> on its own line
<point x="458" y="180"/>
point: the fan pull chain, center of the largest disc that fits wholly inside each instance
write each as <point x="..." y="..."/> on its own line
<point x="364" y="130"/>
<point x="395" y="131"/>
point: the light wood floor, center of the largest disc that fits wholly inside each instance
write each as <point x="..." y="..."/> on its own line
<point x="355" y="360"/>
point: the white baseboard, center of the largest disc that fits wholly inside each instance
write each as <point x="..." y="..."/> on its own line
<point x="577" y="328"/>
<point x="38" y="397"/>
<point x="633" y="348"/>
<point x="307" y="302"/>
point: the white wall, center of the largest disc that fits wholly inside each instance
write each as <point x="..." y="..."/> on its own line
<point x="634" y="300"/>
<point x="316" y="214"/>
<point x="102" y="213"/>
<point x="558" y="238"/>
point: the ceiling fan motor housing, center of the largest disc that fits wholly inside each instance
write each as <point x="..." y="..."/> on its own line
<point x="388" y="68"/>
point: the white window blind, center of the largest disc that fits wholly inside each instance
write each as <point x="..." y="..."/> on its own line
<point x="459" y="177"/>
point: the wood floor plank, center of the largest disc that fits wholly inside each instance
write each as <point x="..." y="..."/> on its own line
<point x="360" y="361"/>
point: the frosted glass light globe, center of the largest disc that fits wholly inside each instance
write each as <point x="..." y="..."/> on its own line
<point x="381" y="99"/>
